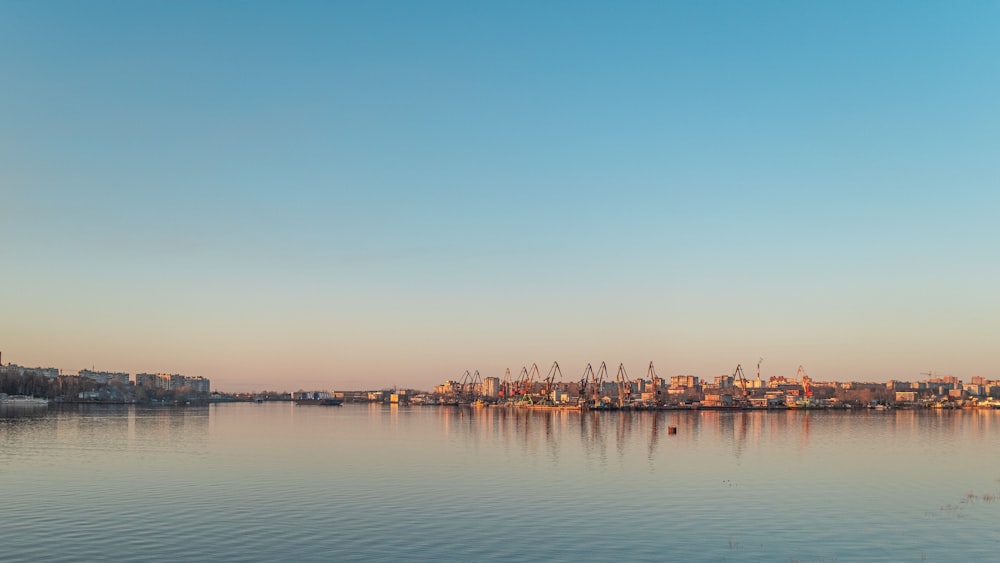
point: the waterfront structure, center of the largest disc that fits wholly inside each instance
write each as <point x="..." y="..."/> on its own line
<point x="684" y="381"/>
<point x="14" y="369"/>
<point x="449" y="387"/>
<point x="152" y="381"/>
<point x="301" y="395"/>
<point x="198" y="384"/>
<point x="725" y="391"/>
<point x="105" y="377"/>
<point x="170" y="382"/>
<point x="491" y="387"/>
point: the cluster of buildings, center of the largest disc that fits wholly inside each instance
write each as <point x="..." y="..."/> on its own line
<point x="14" y="369"/>
<point x="149" y="381"/>
<point x="727" y="391"/>
<point x="945" y="389"/>
<point x="197" y="384"/>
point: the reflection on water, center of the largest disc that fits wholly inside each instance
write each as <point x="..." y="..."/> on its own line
<point x="284" y="482"/>
<point x="545" y="431"/>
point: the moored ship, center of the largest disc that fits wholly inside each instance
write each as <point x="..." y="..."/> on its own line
<point x="322" y="398"/>
<point x="22" y="401"/>
<point x="330" y="402"/>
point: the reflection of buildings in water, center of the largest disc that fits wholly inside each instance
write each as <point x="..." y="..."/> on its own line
<point x="806" y="426"/>
<point x="544" y="432"/>
<point x="632" y="430"/>
<point x="169" y="424"/>
<point x="732" y="427"/>
<point x="740" y="432"/>
<point x="22" y="412"/>
<point x="982" y="423"/>
<point x="944" y="426"/>
<point x="22" y="427"/>
<point x="88" y="424"/>
<point x="537" y="432"/>
<point x="119" y="426"/>
<point x="551" y="433"/>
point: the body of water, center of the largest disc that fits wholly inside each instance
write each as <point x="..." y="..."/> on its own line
<point x="279" y="482"/>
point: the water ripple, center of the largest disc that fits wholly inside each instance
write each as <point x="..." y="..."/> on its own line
<point x="359" y="483"/>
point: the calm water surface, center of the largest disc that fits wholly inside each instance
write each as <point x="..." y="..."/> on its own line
<point x="279" y="482"/>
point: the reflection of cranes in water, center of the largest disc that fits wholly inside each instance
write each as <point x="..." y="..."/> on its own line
<point x="592" y="434"/>
<point x="741" y="434"/>
<point x="806" y="422"/>
<point x="624" y="429"/>
<point x="551" y="440"/>
<point x="654" y="432"/>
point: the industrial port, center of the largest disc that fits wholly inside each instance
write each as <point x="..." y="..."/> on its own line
<point x="597" y="389"/>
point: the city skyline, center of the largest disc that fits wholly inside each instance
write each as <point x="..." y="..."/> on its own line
<point x="537" y="373"/>
<point x="353" y="196"/>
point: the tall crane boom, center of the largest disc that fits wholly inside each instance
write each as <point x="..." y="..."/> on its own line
<point x="553" y="372"/>
<point x="602" y="373"/>
<point x="738" y="376"/>
<point x="588" y="374"/>
<point x="505" y="385"/>
<point x="624" y="386"/>
<point x="805" y="380"/>
<point x="656" y="383"/>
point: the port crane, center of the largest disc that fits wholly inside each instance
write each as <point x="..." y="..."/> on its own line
<point x="553" y="372"/>
<point x="528" y="378"/>
<point x="602" y="373"/>
<point x="522" y="383"/>
<point x="468" y="385"/>
<point x="475" y="385"/>
<point x="505" y="385"/>
<point x="588" y="374"/>
<point x="624" y="386"/>
<point x="651" y="374"/>
<point x="805" y="380"/>
<point x="741" y="378"/>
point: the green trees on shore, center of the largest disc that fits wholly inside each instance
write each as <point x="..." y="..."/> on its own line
<point x="72" y="388"/>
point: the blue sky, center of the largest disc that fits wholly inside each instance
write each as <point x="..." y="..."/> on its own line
<point x="351" y="195"/>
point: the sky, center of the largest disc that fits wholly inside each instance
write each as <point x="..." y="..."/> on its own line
<point x="359" y="195"/>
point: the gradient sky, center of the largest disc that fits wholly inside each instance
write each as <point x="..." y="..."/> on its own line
<point x="355" y="195"/>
